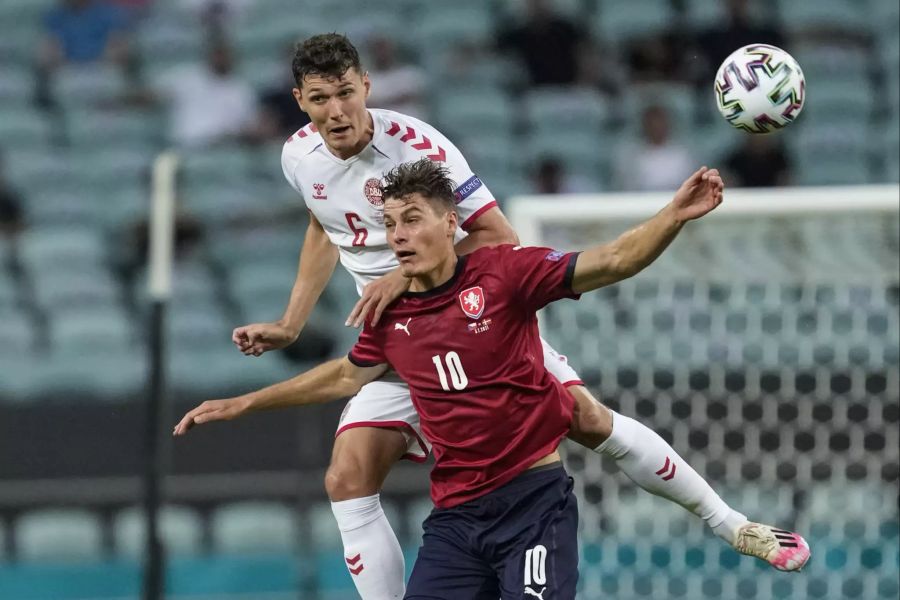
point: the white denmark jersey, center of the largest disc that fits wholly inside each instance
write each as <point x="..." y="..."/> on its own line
<point x="345" y="195"/>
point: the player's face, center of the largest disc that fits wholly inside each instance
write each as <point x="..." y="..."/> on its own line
<point x="420" y="236"/>
<point x="337" y="107"/>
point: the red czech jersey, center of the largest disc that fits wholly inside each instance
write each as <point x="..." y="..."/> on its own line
<point x="471" y="354"/>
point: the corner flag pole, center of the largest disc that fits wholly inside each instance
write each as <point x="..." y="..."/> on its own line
<point x="156" y="440"/>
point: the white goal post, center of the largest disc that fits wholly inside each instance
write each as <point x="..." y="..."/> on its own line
<point x="528" y="214"/>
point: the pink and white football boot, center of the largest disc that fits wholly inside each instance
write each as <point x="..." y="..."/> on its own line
<point x="784" y="550"/>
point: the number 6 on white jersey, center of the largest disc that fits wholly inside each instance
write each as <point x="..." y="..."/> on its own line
<point x="457" y="374"/>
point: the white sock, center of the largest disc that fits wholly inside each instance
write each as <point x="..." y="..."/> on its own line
<point x="654" y="465"/>
<point x="372" y="553"/>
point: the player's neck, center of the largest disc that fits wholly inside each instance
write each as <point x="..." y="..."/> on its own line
<point x="436" y="277"/>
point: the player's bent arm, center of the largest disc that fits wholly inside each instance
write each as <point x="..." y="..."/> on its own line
<point x="333" y="380"/>
<point x="630" y="253"/>
<point x="318" y="258"/>
<point x="489" y="229"/>
<point x="637" y="248"/>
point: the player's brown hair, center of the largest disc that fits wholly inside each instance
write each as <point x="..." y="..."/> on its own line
<point x="425" y="177"/>
<point x="326" y="54"/>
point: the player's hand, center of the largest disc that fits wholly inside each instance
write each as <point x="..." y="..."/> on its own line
<point x="699" y="194"/>
<point x="257" y="338"/>
<point x="376" y="296"/>
<point x="213" y="410"/>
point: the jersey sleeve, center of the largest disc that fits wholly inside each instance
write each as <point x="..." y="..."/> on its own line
<point x="539" y="275"/>
<point x="289" y="166"/>
<point x="367" y="351"/>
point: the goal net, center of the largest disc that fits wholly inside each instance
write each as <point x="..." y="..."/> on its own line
<point x="764" y="345"/>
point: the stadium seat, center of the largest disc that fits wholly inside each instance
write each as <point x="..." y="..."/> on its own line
<point x="17" y="39"/>
<point x="703" y="14"/>
<point x="33" y="170"/>
<point x="168" y="42"/>
<point x="218" y="164"/>
<point x="224" y="204"/>
<point x="23" y="127"/>
<point x="59" y="534"/>
<point x="550" y="108"/>
<point x="193" y="282"/>
<point x="21" y="331"/>
<point x="446" y="25"/>
<point x="829" y="170"/>
<point x="254" y="527"/>
<point x="224" y="370"/>
<point x="267" y="244"/>
<point x="108" y="166"/>
<point x="87" y="85"/>
<point x="59" y="290"/>
<point x="621" y="21"/>
<point x="264" y="277"/>
<point x="16" y="87"/>
<point x="851" y="101"/>
<point x="181" y="530"/>
<point x="582" y="153"/>
<point x="93" y="327"/>
<point x="92" y="127"/>
<point x="9" y="287"/>
<point x="98" y="374"/>
<point x="28" y="11"/>
<point x="829" y="61"/>
<point x="840" y="15"/>
<point x="680" y="104"/>
<point x="486" y="111"/>
<point x="198" y="325"/>
<point x="61" y="246"/>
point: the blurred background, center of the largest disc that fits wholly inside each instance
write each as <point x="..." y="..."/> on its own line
<point x="783" y="391"/>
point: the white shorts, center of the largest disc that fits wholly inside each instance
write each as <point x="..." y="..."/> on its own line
<point x="386" y="403"/>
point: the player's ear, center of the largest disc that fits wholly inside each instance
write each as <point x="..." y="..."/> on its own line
<point x="452" y="222"/>
<point x="298" y="96"/>
<point x="367" y="83"/>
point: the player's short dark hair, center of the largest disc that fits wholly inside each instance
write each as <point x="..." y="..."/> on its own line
<point x="425" y="177"/>
<point x="326" y="54"/>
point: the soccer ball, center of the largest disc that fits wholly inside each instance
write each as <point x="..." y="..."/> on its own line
<point x="760" y="88"/>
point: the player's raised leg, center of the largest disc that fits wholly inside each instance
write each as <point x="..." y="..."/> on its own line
<point x="361" y="459"/>
<point x="650" y="462"/>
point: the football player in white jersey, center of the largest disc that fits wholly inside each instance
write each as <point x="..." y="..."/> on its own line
<point x="336" y="164"/>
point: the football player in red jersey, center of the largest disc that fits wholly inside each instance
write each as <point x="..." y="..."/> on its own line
<point x="465" y="339"/>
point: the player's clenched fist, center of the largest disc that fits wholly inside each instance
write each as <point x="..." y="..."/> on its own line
<point x="212" y="410"/>
<point x="257" y="338"/>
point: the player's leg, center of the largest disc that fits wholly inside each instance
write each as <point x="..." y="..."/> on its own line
<point x="377" y="429"/>
<point x="446" y="568"/>
<point x="542" y="560"/>
<point x="650" y="462"/>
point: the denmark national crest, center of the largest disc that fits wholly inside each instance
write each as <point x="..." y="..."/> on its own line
<point x="472" y="302"/>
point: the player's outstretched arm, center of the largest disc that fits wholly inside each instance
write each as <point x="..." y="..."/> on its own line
<point x="317" y="261"/>
<point x="333" y="380"/>
<point x="637" y="248"/>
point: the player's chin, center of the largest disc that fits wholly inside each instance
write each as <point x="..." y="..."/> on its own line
<point x="408" y="270"/>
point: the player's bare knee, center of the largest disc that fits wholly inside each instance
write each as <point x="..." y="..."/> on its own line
<point x="591" y="420"/>
<point x="347" y="480"/>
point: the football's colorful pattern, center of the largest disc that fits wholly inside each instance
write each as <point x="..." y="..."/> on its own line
<point x="760" y="88"/>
